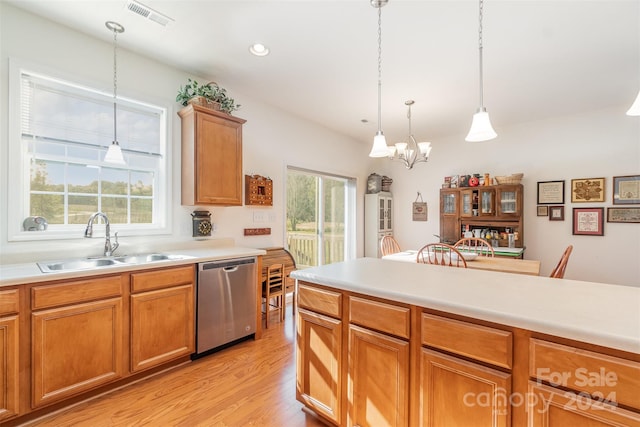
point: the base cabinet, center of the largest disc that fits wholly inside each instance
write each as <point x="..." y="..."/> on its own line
<point x="162" y="325"/>
<point x="318" y="377"/>
<point x="9" y="339"/>
<point x="378" y="388"/>
<point x="462" y="393"/>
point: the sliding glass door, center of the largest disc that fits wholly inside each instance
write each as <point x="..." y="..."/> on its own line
<point x="320" y="217"/>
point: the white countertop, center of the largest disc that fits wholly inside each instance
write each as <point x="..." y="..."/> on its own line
<point x="16" y="274"/>
<point x="597" y="313"/>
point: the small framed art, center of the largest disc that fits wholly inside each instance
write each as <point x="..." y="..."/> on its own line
<point x="588" y="221"/>
<point x="551" y="192"/>
<point x="543" y="210"/>
<point x="623" y="214"/>
<point x="556" y="213"/>
<point x="626" y="190"/>
<point x="587" y="190"/>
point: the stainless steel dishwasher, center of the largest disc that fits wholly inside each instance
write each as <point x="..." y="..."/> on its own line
<point x="226" y="303"/>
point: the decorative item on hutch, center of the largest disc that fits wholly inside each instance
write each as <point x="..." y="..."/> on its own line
<point x="258" y="190"/>
<point x="374" y="183"/>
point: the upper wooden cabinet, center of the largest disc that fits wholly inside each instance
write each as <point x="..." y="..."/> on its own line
<point x="211" y="157"/>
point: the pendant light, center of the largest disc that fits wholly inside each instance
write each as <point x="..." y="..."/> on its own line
<point x="379" y="148"/>
<point x="481" y="129"/>
<point x="114" y="153"/>
<point x="635" y="107"/>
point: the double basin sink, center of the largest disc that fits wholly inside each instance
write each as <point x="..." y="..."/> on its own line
<point x="78" y="264"/>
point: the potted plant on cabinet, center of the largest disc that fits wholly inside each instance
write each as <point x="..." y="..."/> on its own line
<point x="208" y="95"/>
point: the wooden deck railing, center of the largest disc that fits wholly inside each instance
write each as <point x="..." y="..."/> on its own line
<point x="304" y="248"/>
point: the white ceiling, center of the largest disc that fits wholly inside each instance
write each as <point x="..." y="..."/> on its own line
<point x="541" y="58"/>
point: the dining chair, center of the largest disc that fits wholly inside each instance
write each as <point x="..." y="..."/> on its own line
<point x="389" y="245"/>
<point x="441" y="254"/>
<point x="273" y="288"/>
<point x="475" y="245"/>
<point x="558" y="272"/>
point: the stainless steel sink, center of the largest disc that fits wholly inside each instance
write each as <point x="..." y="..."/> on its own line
<point x="79" y="264"/>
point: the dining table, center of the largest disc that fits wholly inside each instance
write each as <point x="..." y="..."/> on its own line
<point x="505" y="265"/>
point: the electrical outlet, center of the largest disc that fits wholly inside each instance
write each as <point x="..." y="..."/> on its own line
<point x="272" y="217"/>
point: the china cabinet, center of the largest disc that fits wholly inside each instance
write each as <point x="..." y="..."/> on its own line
<point x="378" y="221"/>
<point x="490" y="208"/>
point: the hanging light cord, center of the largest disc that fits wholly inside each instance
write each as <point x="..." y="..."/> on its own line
<point x="115" y="84"/>
<point x="379" y="68"/>
<point x="480" y="56"/>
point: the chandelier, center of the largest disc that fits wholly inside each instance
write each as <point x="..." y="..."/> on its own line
<point x="411" y="151"/>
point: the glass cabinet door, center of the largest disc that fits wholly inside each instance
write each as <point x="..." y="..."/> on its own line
<point x="509" y="202"/>
<point x="449" y="203"/>
<point x="487" y="202"/>
<point x="466" y="203"/>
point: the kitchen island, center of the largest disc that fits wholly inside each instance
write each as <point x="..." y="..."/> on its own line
<point x="388" y="343"/>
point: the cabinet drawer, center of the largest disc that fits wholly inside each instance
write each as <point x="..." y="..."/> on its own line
<point x="8" y="302"/>
<point x="78" y="291"/>
<point x="467" y="339"/>
<point x="158" y="279"/>
<point x="380" y="316"/>
<point x="602" y="376"/>
<point x="320" y="300"/>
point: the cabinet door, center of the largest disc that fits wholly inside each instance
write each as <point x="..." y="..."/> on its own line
<point x="75" y="348"/>
<point x="449" y="202"/>
<point x="378" y="387"/>
<point x="8" y="366"/>
<point x="388" y="201"/>
<point x="449" y="220"/>
<point x="319" y="349"/>
<point x="461" y="393"/>
<point x="467" y="205"/>
<point x="487" y="202"/>
<point x="218" y="161"/>
<point x="161" y="326"/>
<point x="557" y="408"/>
<point x="510" y="200"/>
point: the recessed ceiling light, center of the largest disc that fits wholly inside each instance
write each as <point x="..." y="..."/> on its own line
<point x="259" y="49"/>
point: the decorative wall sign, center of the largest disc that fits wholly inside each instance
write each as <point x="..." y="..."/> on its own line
<point x="556" y="213"/>
<point x="543" y="210"/>
<point x="626" y="190"/>
<point x="588" y="221"/>
<point x="551" y="192"/>
<point x="587" y="190"/>
<point x="419" y="209"/>
<point x="623" y="214"/>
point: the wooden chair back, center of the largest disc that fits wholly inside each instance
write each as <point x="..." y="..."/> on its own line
<point x="279" y="255"/>
<point x="389" y="245"/>
<point x="274" y="288"/>
<point x="475" y="245"/>
<point x="441" y="254"/>
<point x="558" y="272"/>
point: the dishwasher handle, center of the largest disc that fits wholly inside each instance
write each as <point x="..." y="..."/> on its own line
<point x="230" y="269"/>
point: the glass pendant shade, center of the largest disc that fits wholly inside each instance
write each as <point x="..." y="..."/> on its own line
<point x="379" y="148"/>
<point x="114" y="154"/>
<point x="481" y="129"/>
<point x="635" y="107"/>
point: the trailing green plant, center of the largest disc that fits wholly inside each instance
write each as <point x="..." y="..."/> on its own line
<point x="210" y="91"/>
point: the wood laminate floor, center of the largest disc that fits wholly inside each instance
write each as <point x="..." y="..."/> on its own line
<point x="249" y="384"/>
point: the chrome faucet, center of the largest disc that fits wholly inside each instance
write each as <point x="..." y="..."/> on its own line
<point x="108" y="248"/>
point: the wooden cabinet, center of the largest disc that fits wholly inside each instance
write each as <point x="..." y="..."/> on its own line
<point x="319" y="378"/>
<point x="378" y="221"/>
<point x="77" y="337"/>
<point x="378" y="343"/>
<point x="211" y="157"/>
<point x="9" y="353"/>
<point x="162" y="316"/>
<point x="457" y="391"/>
<point x="497" y="207"/>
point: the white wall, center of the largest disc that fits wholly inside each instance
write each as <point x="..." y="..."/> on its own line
<point x="272" y="139"/>
<point x="600" y="144"/>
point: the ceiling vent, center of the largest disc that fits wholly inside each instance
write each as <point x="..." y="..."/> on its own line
<point x="148" y="13"/>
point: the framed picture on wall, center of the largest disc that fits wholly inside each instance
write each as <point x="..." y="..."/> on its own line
<point x="623" y="214"/>
<point x="588" y="221"/>
<point x="626" y="190"/>
<point x="587" y="190"/>
<point x="551" y="192"/>
<point x="556" y="213"/>
<point x="543" y="210"/>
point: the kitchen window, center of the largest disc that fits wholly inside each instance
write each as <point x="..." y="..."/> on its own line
<point x="57" y="147"/>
